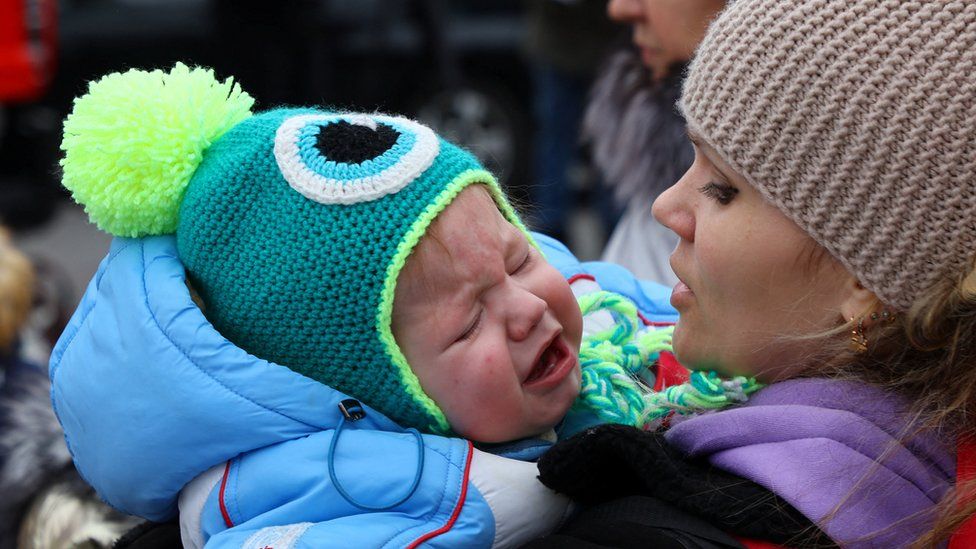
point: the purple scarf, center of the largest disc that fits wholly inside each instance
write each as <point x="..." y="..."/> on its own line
<point x="830" y="447"/>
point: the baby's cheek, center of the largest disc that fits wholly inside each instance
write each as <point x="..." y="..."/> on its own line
<point x="485" y="405"/>
<point x="477" y="376"/>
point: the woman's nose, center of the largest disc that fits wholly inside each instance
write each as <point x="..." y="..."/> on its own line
<point x="625" y="11"/>
<point x="525" y="313"/>
<point x="673" y="210"/>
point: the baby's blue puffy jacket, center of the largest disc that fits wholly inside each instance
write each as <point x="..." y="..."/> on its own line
<point x="161" y="414"/>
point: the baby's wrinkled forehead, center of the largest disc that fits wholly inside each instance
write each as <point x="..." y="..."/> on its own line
<point x="461" y="246"/>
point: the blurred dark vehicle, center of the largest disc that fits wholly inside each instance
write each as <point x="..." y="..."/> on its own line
<point x="456" y="65"/>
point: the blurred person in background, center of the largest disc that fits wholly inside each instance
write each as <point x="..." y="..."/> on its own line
<point x="636" y="134"/>
<point x="565" y="43"/>
<point x="44" y="503"/>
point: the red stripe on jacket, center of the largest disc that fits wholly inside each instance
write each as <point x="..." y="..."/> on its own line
<point x="220" y="498"/>
<point x="457" y="507"/>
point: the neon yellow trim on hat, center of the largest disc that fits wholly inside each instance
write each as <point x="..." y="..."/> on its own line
<point x="385" y="314"/>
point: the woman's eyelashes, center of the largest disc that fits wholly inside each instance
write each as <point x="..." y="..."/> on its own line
<point x="720" y="192"/>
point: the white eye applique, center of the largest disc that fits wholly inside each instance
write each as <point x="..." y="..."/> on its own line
<point x="349" y="158"/>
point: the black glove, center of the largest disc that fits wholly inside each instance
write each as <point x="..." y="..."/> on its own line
<point x="637" y="522"/>
<point x="610" y="462"/>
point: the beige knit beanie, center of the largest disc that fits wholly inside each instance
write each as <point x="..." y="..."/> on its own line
<point x="857" y="118"/>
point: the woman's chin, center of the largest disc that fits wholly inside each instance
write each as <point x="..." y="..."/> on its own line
<point x="690" y="352"/>
<point x="680" y="347"/>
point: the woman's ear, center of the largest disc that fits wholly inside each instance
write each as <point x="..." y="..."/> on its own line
<point x="859" y="300"/>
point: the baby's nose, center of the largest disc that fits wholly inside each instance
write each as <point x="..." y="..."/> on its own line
<point x="526" y="313"/>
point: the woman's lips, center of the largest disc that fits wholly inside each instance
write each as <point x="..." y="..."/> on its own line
<point x="555" y="363"/>
<point x="681" y="294"/>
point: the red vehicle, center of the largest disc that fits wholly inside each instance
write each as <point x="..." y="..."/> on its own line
<point x="27" y="48"/>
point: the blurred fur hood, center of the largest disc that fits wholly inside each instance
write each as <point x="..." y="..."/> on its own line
<point x="632" y="125"/>
<point x="45" y="503"/>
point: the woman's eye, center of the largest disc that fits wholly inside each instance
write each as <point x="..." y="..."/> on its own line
<point x="720" y="192"/>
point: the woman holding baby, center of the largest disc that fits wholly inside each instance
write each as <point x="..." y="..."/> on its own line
<point x="826" y="234"/>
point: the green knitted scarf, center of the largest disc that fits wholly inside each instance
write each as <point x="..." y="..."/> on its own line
<point x="613" y="360"/>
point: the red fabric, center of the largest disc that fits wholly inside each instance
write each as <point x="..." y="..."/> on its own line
<point x="27" y="48"/>
<point x="965" y="537"/>
<point x="669" y="372"/>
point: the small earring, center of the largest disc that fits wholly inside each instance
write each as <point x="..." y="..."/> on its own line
<point x="885" y="317"/>
<point x="859" y="342"/>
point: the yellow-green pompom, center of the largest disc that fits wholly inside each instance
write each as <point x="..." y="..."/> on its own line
<point x="134" y="140"/>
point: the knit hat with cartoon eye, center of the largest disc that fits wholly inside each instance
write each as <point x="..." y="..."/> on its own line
<point x="293" y="224"/>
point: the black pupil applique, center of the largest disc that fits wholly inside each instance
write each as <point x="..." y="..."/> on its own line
<point x="345" y="158"/>
<point x="352" y="144"/>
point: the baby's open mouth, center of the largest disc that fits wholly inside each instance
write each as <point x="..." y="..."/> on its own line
<point x="549" y="361"/>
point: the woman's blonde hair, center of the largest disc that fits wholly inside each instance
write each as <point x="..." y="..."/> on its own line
<point x="16" y="291"/>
